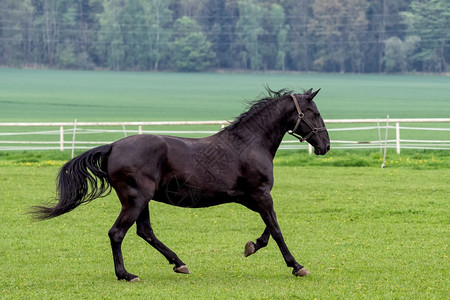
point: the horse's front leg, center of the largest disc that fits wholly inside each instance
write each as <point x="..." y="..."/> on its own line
<point x="265" y="206"/>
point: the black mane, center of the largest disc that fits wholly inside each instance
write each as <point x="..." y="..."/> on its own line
<point x="255" y="105"/>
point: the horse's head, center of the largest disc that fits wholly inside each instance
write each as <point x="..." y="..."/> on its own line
<point x="309" y="124"/>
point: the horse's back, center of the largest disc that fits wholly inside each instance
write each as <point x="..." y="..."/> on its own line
<point x="155" y="156"/>
<point x="136" y="158"/>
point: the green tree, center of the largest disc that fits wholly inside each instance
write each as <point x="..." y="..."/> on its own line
<point x="87" y="26"/>
<point x="249" y="29"/>
<point x="15" y="30"/>
<point x="218" y="22"/>
<point x="188" y="8"/>
<point x="340" y="34"/>
<point x="56" y="33"/>
<point x="280" y="30"/>
<point x="134" y="32"/>
<point x="66" y="34"/>
<point x="300" y="51"/>
<point x="324" y="35"/>
<point x="110" y="48"/>
<point x="397" y="53"/>
<point x="384" y="22"/>
<point x="46" y="31"/>
<point x="191" y="52"/>
<point x="430" y="20"/>
<point x="158" y="18"/>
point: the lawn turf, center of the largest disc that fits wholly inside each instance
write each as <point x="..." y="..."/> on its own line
<point x="362" y="232"/>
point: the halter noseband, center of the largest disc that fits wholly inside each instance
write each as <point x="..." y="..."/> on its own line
<point x="301" y="116"/>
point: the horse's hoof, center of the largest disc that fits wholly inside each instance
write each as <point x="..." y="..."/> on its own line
<point x="250" y="248"/>
<point x="129" y="278"/>
<point x="181" y="269"/>
<point x="301" y="273"/>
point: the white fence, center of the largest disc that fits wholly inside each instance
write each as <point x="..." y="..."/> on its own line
<point x="66" y="135"/>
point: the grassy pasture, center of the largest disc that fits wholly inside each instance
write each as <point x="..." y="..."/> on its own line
<point x="363" y="233"/>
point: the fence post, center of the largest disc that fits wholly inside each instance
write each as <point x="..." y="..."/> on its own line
<point x="124" y="130"/>
<point x="61" y="138"/>
<point x="385" y="142"/>
<point x="73" y="137"/>
<point x="397" y="136"/>
<point x="309" y="149"/>
<point x="379" y="135"/>
<point x="140" y="129"/>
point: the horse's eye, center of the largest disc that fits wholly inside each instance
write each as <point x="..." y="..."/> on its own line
<point x="317" y="114"/>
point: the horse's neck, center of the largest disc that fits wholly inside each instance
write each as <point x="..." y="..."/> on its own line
<point x="266" y="127"/>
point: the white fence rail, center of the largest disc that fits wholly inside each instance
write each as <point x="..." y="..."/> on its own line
<point x="57" y="135"/>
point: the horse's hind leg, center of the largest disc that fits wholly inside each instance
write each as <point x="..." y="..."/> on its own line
<point x="116" y="234"/>
<point x="262" y="242"/>
<point x="133" y="201"/>
<point x="145" y="231"/>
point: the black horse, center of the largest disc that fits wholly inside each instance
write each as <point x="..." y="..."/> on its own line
<point x="233" y="165"/>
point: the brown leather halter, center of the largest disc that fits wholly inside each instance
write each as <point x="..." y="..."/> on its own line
<point x="301" y="116"/>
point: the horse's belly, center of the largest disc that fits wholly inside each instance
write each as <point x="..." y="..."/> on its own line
<point x="181" y="192"/>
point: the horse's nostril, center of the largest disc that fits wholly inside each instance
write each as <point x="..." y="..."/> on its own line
<point x="328" y="147"/>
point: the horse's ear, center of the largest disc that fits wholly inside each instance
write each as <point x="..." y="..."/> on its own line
<point x="308" y="92"/>
<point x="311" y="96"/>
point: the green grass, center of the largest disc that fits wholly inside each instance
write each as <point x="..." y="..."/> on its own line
<point x="408" y="159"/>
<point x="362" y="232"/>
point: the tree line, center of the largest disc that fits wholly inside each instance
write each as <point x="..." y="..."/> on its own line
<point x="358" y="36"/>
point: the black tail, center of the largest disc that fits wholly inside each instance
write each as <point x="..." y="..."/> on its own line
<point x="80" y="180"/>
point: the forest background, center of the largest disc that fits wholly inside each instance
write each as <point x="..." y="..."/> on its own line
<point x="358" y="36"/>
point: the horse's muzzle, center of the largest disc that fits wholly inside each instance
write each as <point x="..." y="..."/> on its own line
<point x="321" y="150"/>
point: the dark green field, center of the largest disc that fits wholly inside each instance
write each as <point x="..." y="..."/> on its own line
<point x="44" y="95"/>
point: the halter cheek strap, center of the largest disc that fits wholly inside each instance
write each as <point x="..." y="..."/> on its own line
<point x="301" y="116"/>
